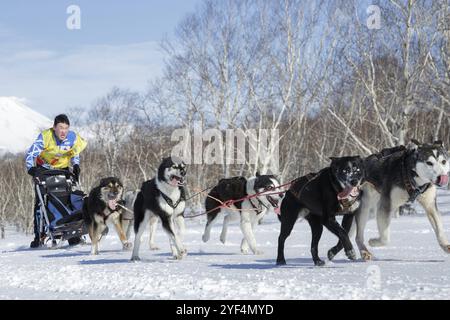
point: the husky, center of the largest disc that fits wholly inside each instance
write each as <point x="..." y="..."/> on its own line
<point x="402" y="175"/>
<point x="164" y="198"/>
<point x="250" y="211"/>
<point x="319" y="197"/>
<point x="102" y="206"/>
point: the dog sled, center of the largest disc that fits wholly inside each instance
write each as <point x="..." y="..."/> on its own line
<point x="59" y="213"/>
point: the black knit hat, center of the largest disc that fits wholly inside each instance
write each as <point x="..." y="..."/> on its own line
<point x="61" y="118"/>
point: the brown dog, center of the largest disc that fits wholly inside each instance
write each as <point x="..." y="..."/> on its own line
<point x="101" y="206"/>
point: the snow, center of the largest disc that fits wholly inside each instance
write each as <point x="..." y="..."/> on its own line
<point x="413" y="266"/>
<point x="19" y="125"/>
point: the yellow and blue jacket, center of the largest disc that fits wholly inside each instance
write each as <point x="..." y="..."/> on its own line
<point x="50" y="152"/>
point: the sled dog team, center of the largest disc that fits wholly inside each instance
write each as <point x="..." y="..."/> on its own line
<point x="351" y="186"/>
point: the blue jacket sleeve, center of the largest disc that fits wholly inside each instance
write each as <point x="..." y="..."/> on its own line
<point x="75" y="160"/>
<point x="34" y="151"/>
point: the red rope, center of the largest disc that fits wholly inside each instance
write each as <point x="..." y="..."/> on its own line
<point x="228" y="203"/>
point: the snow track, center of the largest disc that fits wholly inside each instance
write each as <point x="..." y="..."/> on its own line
<point x="413" y="266"/>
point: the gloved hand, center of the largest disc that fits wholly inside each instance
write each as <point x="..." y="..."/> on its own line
<point x="32" y="171"/>
<point x="76" y="172"/>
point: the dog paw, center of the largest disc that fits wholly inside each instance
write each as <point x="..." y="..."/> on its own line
<point x="205" y="238"/>
<point x="178" y="256"/>
<point x="446" y="248"/>
<point x="281" y="262"/>
<point x="331" y="254"/>
<point x="135" y="259"/>
<point x="319" y="263"/>
<point x="244" y="250"/>
<point x="376" y="242"/>
<point x="258" y="252"/>
<point x="223" y="239"/>
<point x="351" y="254"/>
<point x="94" y="253"/>
<point x="127" y="246"/>
<point x="154" y="247"/>
<point x="366" y="255"/>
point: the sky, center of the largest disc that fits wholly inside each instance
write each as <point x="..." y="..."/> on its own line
<point x="55" y="68"/>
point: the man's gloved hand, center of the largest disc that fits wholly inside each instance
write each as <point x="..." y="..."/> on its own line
<point x="76" y="172"/>
<point x="32" y="171"/>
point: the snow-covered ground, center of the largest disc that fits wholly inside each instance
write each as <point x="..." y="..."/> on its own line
<point x="412" y="267"/>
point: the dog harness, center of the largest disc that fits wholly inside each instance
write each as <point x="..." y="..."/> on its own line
<point x="257" y="209"/>
<point x="413" y="190"/>
<point x="170" y="202"/>
<point x="345" y="203"/>
<point x="105" y="217"/>
<point x="310" y="176"/>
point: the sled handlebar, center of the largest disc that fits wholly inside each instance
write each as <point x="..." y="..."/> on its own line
<point x="40" y="178"/>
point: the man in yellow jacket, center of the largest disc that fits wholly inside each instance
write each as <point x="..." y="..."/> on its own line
<point x="54" y="148"/>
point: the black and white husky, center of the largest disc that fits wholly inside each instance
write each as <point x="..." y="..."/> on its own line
<point x="162" y="197"/>
<point x="319" y="197"/>
<point x="396" y="178"/>
<point x="250" y="211"/>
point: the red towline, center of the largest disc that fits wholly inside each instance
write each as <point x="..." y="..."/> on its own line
<point x="227" y="204"/>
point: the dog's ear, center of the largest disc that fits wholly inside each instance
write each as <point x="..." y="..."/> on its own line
<point x="413" y="144"/>
<point x="438" y="143"/>
<point x="332" y="158"/>
<point x="258" y="174"/>
<point x="359" y="159"/>
<point x="103" y="181"/>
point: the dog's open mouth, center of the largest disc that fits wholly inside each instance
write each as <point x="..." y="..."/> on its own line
<point x="112" y="204"/>
<point x="274" y="204"/>
<point x="348" y="192"/>
<point x="442" y="180"/>
<point x="272" y="201"/>
<point x="176" y="180"/>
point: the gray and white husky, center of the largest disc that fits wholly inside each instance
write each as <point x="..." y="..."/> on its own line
<point x="395" y="177"/>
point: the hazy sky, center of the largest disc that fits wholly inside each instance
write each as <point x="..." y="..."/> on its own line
<point x="55" y="68"/>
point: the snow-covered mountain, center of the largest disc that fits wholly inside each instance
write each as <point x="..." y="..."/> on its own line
<point x="19" y="125"/>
